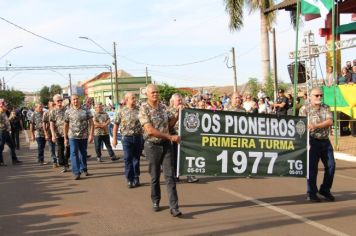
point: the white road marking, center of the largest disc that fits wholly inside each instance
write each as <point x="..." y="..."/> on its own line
<point x="285" y="212"/>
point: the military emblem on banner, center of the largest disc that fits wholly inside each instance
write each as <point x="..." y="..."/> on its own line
<point x="191" y="122"/>
<point x="300" y="127"/>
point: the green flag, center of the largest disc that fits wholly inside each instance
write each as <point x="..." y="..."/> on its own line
<point x="321" y="7"/>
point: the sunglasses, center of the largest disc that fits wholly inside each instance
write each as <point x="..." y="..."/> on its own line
<point x="318" y="95"/>
<point x="59" y="100"/>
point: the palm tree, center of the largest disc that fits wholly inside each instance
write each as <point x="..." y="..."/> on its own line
<point x="235" y="10"/>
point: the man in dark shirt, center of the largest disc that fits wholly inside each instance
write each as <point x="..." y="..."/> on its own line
<point x="281" y="104"/>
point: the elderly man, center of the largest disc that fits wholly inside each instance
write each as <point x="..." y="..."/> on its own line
<point x="235" y="104"/>
<point x="5" y="129"/>
<point x="37" y="132"/>
<point x="48" y="134"/>
<point x="176" y="104"/>
<point x="56" y="118"/>
<point x="101" y="121"/>
<point x="78" y="127"/>
<point x="156" y="121"/>
<point x="320" y="120"/>
<point x="132" y="141"/>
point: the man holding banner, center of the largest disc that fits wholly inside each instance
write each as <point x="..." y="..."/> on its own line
<point x="320" y="120"/>
<point x="156" y="121"/>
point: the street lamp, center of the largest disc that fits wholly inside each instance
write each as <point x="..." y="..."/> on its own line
<point x="17" y="47"/>
<point x="115" y="64"/>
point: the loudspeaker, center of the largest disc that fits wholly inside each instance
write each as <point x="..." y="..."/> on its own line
<point x="344" y="123"/>
<point x="301" y="72"/>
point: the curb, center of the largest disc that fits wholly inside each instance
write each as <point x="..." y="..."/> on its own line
<point x="344" y="157"/>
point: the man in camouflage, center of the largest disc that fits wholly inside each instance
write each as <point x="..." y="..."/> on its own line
<point x="78" y="128"/>
<point x="320" y="120"/>
<point x="37" y="132"/>
<point x="132" y="141"/>
<point x="48" y="134"/>
<point x="5" y="129"/>
<point x="235" y="104"/>
<point x="176" y="104"/>
<point x="101" y="121"/>
<point x="156" y="121"/>
<point x="56" y="118"/>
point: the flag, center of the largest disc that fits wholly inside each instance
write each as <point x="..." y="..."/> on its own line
<point x="321" y="7"/>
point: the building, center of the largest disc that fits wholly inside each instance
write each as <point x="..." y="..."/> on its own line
<point x="102" y="86"/>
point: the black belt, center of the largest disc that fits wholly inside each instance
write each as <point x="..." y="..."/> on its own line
<point x="320" y="139"/>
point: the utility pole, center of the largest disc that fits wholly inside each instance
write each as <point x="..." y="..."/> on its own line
<point x="70" y="84"/>
<point x="116" y="79"/>
<point x="3" y="83"/>
<point x="234" y="68"/>
<point x="146" y="76"/>
<point x="275" y="84"/>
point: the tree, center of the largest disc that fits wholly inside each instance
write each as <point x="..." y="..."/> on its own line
<point x="167" y="91"/>
<point x="235" y="10"/>
<point x="269" y="87"/>
<point x="13" y="98"/>
<point x="55" y="89"/>
<point x="45" y="95"/>
<point x="253" y="86"/>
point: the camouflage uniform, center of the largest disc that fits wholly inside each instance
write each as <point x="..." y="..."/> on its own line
<point x="78" y="123"/>
<point x="132" y="142"/>
<point x="51" y="145"/>
<point x="37" y="125"/>
<point x="320" y="148"/>
<point x="101" y="135"/>
<point x="37" y="122"/>
<point x="229" y="107"/>
<point x="5" y="129"/>
<point x="56" y="117"/>
<point x="159" y="152"/>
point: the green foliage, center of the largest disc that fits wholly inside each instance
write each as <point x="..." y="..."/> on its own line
<point x="253" y="87"/>
<point x="46" y="93"/>
<point x="167" y="91"/>
<point x="269" y="87"/>
<point x="283" y="85"/>
<point x="55" y="89"/>
<point x="13" y="98"/>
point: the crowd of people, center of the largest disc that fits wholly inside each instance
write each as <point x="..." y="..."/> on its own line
<point x="347" y="76"/>
<point x="151" y="127"/>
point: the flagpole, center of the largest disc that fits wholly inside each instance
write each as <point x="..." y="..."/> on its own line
<point x="295" y="74"/>
<point x="336" y="140"/>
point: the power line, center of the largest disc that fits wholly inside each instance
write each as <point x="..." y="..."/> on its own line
<point x="49" y="40"/>
<point x="175" y="65"/>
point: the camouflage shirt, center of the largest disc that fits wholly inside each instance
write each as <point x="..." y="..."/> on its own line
<point x="229" y="107"/>
<point x="57" y="117"/>
<point x="317" y="116"/>
<point x="4" y="122"/>
<point x="175" y="129"/>
<point x="128" y="119"/>
<point x="37" y="123"/>
<point x="78" y="119"/>
<point x="158" y="117"/>
<point x="46" y="121"/>
<point x="101" y="117"/>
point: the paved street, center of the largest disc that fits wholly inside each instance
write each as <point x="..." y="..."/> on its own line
<point x="39" y="200"/>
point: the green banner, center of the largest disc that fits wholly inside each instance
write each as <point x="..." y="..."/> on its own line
<point x="224" y="143"/>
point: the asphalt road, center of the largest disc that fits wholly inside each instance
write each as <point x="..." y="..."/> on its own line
<point x="39" y="200"/>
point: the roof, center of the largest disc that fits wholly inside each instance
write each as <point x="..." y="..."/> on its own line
<point x="105" y="75"/>
<point x="287" y="5"/>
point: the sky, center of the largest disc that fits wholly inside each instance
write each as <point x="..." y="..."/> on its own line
<point x="163" y="35"/>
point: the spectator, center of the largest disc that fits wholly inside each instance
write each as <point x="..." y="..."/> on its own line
<point x="330" y="76"/>
<point x="353" y="75"/>
<point x="281" y="104"/>
<point x="249" y="104"/>
<point x="235" y="104"/>
<point x="345" y="77"/>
